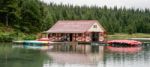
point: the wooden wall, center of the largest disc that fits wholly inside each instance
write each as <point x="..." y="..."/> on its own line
<point x="76" y="37"/>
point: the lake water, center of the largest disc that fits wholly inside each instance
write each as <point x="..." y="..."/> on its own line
<point x="103" y="56"/>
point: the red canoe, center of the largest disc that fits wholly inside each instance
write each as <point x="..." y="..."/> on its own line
<point x="129" y="42"/>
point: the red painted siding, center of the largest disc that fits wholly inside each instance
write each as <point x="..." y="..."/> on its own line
<point x="82" y="37"/>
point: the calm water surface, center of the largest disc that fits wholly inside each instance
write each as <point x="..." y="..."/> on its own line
<point x="104" y="57"/>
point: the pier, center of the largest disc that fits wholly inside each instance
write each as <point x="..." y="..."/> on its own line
<point x="145" y="41"/>
<point x="140" y="39"/>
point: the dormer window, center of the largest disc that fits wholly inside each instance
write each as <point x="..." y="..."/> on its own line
<point x="95" y="26"/>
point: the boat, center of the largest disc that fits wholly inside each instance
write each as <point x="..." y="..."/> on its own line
<point x="43" y="39"/>
<point x="31" y="41"/>
<point x="124" y="43"/>
<point x="42" y="43"/>
<point x="34" y="44"/>
<point x="127" y="46"/>
<point x="38" y="46"/>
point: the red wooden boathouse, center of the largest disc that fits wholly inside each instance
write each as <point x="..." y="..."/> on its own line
<point x="77" y="31"/>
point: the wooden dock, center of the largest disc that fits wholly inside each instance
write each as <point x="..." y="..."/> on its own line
<point x="145" y="41"/>
<point x="140" y="39"/>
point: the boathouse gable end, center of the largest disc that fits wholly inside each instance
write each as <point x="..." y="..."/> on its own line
<point x="76" y="31"/>
<point x="96" y="28"/>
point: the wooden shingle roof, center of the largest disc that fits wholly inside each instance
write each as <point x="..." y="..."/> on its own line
<point x="71" y="26"/>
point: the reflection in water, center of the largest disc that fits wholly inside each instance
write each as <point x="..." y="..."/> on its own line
<point x="16" y="57"/>
<point x="63" y="59"/>
<point x="81" y="56"/>
<point x="124" y="59"/>
<point x="34" y="47"/>
<point x="124" y="49"/>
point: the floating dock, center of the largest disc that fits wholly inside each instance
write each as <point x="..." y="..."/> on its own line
<point x="140" y="39"/>
<point x="143" y="40"/>
<point x="32" y="41"/>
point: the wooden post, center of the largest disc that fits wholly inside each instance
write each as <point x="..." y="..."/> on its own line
<point x="99" y="36"/>
<point x="56" y="36"/>
<point x="75" y="36"/>
<point x="84" y="37"/>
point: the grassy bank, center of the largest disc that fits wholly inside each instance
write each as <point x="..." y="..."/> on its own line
<point x="127" y="36"/>
<point x="8" y="34"/>
<point x="9" y="37"/>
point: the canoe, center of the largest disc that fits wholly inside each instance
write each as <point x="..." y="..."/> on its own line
<point x="128" y="42"/>
<point x="31" y="42"/>
<point x="43" y="39"/>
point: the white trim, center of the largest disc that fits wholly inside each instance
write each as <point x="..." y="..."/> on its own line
<point x="98" y="29"/>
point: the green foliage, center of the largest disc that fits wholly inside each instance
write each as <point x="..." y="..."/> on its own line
<point x="127" y="36"/>
<point x="32" y="16"/>
<point x="9" y="37"/>
<point x="30" y="37"/>
<point x="28" y="16"/>
<point x="6" y="38"/>
<point x="114" y="20"/>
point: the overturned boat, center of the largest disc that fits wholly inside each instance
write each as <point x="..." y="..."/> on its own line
<point x="124" y="43"/>
<point x="127" y="46"/>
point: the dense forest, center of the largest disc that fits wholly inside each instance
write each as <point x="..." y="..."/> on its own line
<point x="33" y="16"/>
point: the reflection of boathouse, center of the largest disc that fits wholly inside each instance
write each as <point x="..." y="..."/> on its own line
<point x="85" y="59"/>
<point x="77" y="31"/>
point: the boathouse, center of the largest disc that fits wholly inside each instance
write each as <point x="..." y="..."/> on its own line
<point x="77" y="31"/>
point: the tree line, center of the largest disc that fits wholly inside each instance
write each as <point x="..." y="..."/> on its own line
<point x="32" y="16"/>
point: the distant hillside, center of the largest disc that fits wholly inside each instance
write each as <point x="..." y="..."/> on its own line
<point x="32" y="16"/>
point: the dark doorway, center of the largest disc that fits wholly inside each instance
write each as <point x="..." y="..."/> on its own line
<point x="70" y="37"/>
<point x="95" y="36"/>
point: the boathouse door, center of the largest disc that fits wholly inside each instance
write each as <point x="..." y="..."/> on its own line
<point x="70" y="37"/>
<point x="95" y="36"/>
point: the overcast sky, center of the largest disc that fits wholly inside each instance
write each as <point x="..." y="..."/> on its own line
<point x="110" y="3"/>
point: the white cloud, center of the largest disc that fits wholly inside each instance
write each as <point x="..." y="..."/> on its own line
<point x="109" y="3"/>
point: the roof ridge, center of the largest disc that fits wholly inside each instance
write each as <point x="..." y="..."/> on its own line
<point x="76" y="20"/>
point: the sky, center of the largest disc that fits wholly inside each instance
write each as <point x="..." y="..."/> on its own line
<point x="142" y="4"/>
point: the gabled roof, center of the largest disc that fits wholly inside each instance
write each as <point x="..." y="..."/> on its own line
<point x="72" y="26"/>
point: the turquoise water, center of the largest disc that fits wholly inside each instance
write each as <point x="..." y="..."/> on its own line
<point x="104" y="57"/>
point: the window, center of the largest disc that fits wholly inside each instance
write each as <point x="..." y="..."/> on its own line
<point x="53" y="34"/>
<point x="95" y="26"/>
<point x="62" y="34"/>
<point x="87" y="34"/>
<point x="79" y="34"/>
